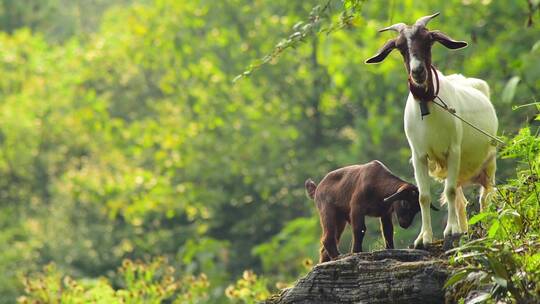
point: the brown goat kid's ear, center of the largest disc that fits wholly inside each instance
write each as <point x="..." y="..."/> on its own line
<point x="383" y="52"/>
<point x="447" y="41"/>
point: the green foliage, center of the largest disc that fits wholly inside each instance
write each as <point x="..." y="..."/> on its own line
<point x="139" y="282"/>
<point x="249" y="289"/>
<point x="284" y="255"/>
<point x="505" y="265"/>
<point x="58" y="19"/>
<point x="123" y="137"/>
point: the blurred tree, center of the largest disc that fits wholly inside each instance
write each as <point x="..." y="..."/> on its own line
<point x="57" y="19"/>
<point x="123" y="136"/>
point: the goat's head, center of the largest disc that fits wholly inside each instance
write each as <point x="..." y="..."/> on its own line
<point x="405" y="203"/>
<point x="414" y="43"/>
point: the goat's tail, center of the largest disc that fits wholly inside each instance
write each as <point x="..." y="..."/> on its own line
<point x="310" y="188"/>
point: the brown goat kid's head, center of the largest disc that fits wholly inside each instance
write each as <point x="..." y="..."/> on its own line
<point x="414" y="43"/>
<point x="406" y="205"/>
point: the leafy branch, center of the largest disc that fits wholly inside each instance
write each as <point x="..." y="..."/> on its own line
<point x="318" y="22"/>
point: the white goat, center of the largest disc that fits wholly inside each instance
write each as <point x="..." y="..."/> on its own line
<point x="442" y="146"/>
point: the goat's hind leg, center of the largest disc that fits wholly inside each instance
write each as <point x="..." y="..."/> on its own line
<point x="341" y="223"/>
<point x="461" y="209"/>
<point x="329" y="250"/>
<point x="487" y="184"/>
<point x="453" y="229"/>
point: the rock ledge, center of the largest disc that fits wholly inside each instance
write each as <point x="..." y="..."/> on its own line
<point x="387" y="276"/>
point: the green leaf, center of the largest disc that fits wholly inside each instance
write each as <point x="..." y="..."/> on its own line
<point x="510" y="89"/>
<point x="510" y="213"/>
<point x="500" y="281"/>
<point x="479" y="217"/>
<point x="536" y="46"/>
<point x="479" y="298"/>
<point x="458" y="276"/>
<point x="498" y="268"/>
<point x="469" y="255"/>
<point x="494" y="229"/>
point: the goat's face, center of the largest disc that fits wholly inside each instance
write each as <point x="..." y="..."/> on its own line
<point x="406" y="205"/>
<point x="414" y="43"/>
<point x="406" y="210"/>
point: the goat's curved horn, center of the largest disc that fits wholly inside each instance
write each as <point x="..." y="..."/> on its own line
<point x="397" y="195"/>
<point x="396" y="27"/>
<point x="423" y="21"/>
<point x="433" y="207"/>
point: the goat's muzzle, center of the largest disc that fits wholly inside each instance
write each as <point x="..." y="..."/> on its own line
<point x="405" y="223"/>
<point x="419" y="77"/>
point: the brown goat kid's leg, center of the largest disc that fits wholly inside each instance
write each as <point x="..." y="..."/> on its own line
<point x="341" y="223"/>
<point x="329" y="240"/>
<point x="323" y="256"/>
<point x="387" y="231"/>
<point x="359" y="229"/>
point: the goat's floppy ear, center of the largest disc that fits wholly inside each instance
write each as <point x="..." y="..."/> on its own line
<point x="400" y="193"/>
<point x="447" y="41"/>
<point x="383" y="52"/>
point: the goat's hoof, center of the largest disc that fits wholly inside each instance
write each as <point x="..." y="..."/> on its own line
<point x="457" y="236"/>
<point x="449" y="241"/>
<point x="419" y="246"/>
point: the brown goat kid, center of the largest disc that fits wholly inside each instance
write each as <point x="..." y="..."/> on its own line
<point x="350" y="193"/>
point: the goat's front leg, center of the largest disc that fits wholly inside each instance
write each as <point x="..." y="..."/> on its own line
<point x="388" y="231"/>
<point x="359" y="230"/>
<point x="422" y="180"/>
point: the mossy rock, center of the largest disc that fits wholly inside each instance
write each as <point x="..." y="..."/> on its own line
<point x="386" y="276"/>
